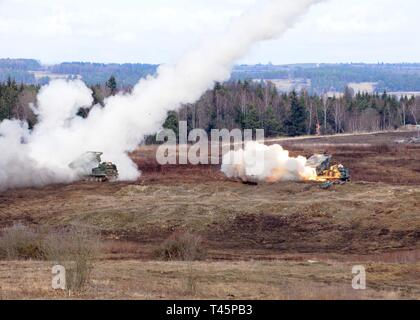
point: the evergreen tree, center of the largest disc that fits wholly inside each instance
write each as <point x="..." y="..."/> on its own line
<point x="172" y="122"/>
<point x="272" y="126"/>
<point x="296" y="122"/>
<point x="251" y="119"/>
<point x="112" y="85"/>
<point x="9" y="96"/>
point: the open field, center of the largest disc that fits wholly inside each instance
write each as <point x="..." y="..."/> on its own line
<point x="135" y="279"/>
<point x="273" y="241"/>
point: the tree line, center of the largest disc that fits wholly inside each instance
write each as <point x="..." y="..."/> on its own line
<point x="255" y="105"/>
<point x="17" y="100"/>
<point x="252" y="105"/>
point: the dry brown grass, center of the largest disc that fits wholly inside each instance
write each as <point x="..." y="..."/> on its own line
<point x="75" y="248"/>
<point x="216" y="280"/>
<point x="182" y="246"/>
<point x="20" y="242"/>
<point x="290" y="217"/>
<point x="373" y="220"/>
<point x="116" y="249"/>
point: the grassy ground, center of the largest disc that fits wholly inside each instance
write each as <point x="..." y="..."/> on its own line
<point x="259" y="238"/>
<point x="132" y="279"/>
<point x="362" y="217"/>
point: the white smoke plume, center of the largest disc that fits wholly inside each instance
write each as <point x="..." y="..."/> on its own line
<point x="260" y="163"/>
<point x="42" y="156"/>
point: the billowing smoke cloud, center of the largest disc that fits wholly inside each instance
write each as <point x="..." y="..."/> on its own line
<point x="42" y="156"/>
<point x="260" y="163"/>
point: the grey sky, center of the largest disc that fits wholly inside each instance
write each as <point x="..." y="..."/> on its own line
<point x="161" y="30"/>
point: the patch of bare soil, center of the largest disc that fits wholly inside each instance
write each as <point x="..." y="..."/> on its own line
<point x="308" y="234"/>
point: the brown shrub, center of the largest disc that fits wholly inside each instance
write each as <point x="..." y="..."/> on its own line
<point x="182" y="247"/>
<point x="19" y="242"/>
<point x="76" y="249"/>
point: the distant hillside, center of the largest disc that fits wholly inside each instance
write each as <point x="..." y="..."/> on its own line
<point x="32" y="72"/>
<point x="316" y="78"/>
<point x="19" y="69"/>
<point x="335" y="77"/>
<point x="93" y="73"/>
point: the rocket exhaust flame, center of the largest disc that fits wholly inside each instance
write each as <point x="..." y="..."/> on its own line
<point x="260" y="163"/>
<point x="275" y="164"/>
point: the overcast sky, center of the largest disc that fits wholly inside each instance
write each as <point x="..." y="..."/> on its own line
<point x="159" y="31"/>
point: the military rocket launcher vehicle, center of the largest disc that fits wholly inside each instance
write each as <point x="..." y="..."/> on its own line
<point x="327" y="172"/>
<point x="91" y="168"/>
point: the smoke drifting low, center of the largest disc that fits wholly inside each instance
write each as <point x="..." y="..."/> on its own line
<point x="41" y="156"/>
<point x="261" y="163"/>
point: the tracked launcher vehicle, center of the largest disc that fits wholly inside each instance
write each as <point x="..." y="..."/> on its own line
<point x="106" y="171"/>
<point x="327" y="172"/>
<point x="91" y="168"/>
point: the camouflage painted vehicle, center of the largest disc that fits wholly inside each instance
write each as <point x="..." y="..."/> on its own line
<point x="106" y="171"/>
<point x="91" y="168"/>
<point x="336" y="173"/>
<point x="322" y="164"/>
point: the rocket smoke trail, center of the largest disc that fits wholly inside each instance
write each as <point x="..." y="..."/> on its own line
<point x="41" y="156"/>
